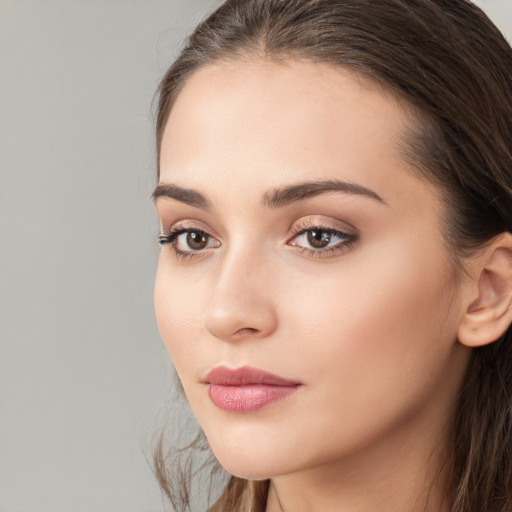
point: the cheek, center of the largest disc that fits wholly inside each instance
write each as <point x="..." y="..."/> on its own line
<point x="374" y="345"/>
<point x="177" y="308"/>
<point x="373" y="320"/>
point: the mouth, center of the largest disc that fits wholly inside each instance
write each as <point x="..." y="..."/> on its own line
<point x="246" y="389"/>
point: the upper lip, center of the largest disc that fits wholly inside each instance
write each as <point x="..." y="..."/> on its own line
<point x="244" y="376"/>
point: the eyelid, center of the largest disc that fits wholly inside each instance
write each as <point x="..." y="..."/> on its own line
<point x="188" y="225"/>
<point x="321" y="222"/>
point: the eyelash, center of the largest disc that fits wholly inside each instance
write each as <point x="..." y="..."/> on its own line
<point x="169" y="238"/>
<point x="348" y="240"/>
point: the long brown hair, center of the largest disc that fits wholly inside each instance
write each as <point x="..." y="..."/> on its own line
<point x="454" y="67"/>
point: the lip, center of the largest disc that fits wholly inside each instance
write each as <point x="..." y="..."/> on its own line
<point x="246" y="389"/>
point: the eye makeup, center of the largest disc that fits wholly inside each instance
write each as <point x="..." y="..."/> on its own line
<point x="315" y="238"/>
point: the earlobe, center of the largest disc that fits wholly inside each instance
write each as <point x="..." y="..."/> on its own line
<point x="488" y="313"/>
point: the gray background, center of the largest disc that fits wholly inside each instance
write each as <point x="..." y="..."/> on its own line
<point x="83" y="375"/>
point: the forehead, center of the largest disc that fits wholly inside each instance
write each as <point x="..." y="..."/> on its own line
<point x="260" y="121"/>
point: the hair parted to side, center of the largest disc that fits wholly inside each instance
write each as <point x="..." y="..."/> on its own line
<point x="454" y="67"/>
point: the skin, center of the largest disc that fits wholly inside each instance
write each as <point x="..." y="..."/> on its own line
<point x="368" y="328"/>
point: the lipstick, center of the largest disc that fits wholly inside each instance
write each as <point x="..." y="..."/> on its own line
<point x="246" y="389"/>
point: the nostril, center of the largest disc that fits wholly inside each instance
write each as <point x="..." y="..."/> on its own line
<point x="248" y="331"/>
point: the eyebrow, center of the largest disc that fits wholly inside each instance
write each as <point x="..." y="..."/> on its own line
<point x="274" y="198"/>
<point x="283" y="196"/>
<point x="184" y="195"/>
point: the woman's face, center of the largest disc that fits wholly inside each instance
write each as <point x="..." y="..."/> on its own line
<point x="298" y="242"/>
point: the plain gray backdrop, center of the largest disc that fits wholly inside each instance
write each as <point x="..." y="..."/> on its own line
<point x="83" y="374"/>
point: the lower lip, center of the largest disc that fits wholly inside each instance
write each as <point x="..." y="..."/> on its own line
<point x="247" y="398"/>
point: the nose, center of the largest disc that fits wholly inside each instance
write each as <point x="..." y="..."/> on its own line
<point x="242" y="301"/>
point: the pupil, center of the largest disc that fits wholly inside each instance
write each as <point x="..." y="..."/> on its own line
<point x="318" y="238"/>
<point x="197" y="240"/>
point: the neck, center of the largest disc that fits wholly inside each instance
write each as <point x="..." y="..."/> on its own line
<point x="391" y="476"/>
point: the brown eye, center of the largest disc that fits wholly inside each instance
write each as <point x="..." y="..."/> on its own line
<point x="189" y="241"/>
<point x="197" y="240"/>
<point x="318" y="238"/>
<point x="184" y="241"/>
<point x="319" y="241"/>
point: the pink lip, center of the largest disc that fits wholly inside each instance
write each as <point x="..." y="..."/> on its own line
<point x="246" y="389"/>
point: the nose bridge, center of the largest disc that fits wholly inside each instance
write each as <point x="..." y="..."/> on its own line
<point x="241" y="300"/>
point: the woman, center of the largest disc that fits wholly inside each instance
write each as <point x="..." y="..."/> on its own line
<point x="335" y="281"/>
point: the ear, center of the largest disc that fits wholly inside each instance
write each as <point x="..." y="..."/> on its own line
<point x="488" y="306"/>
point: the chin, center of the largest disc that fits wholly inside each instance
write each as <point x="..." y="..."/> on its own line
<point x="249" y="460"/>
<point x="249" y="470"/>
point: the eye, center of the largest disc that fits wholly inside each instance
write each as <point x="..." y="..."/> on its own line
<point x="319" y="241"/>
<point x="320" y="238"/>
<point x="188" y="241"/>
<point x="193" y="240"/>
